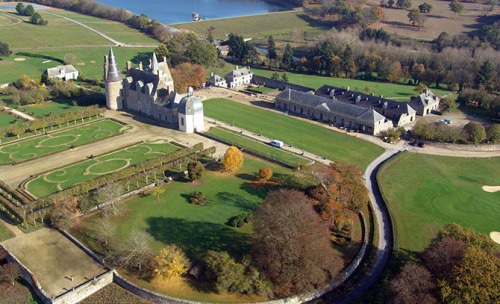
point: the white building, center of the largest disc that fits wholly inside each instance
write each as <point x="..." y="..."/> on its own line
<point x="238" y="77"/>
<point x="190" y="114"/>
<point x="64" y="72"/>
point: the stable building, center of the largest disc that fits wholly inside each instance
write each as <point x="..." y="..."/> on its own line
<point x="425" y="103"/>
<point x="333" y="111"/>
<point x="64" y="72"/>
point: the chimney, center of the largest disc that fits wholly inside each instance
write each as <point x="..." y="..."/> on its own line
<point x="140" y="65"/>
<point x="164" y="59"/>
<point x="347" y="88"/>
<point x="129" y="65"/>
<point x="211" y="74"/>
<point x="381" y="96"/>
<point x="150" y="63"/>
<point x="237" y="67"/>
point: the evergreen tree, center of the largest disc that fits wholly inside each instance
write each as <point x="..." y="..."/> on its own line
<point x="238" y="49"/>
<point x="486" y="75"/>
<point x="288" y="57"/>
<point x="271" y="48"/>
<point x="347" y="63"/>
<point x="29" y="11"/>
<point x="4" y="49"/>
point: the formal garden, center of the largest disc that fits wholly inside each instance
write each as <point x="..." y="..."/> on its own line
<point x="425" y="192"/>
<point x="64" y="178"/>
<point x="58" y="141"/>
<point x="325" y="142"/>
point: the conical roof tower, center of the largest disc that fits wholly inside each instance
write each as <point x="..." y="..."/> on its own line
<point x="154" y="64"/>
<point x="113" y="71"/>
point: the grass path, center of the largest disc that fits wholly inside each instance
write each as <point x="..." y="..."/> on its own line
<point x="301" y="134"/>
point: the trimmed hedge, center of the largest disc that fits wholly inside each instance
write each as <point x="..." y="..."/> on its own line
<point x="33" y="55"/>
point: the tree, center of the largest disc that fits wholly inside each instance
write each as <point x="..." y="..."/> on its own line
<point x="275" y="76"/>
<point x="468" y="236"/>
<point x="347" y="63"/>
<point x="20" y="8"/>
<point x="10" y="273"/>
<point x="188" y="75"/>
<point x="475" y="280"/>
<point x="475" y="131"/>
<point x="292" y="244"/>
<point x="395" y="72"/>
<point x="494" y="133"/>
<point x="271" y="48"/>
<point x="378" y="13"/>
<point x="266" y="173"/>
<point x="156" y="192"/>
<point x="170" y="262"/>
<point x="210" y="31"/>
<point x="162" y="51"/>
<point x="195" y="170"/>
<point x="201" y="52"/>
<point x="413" y="16"/>
<point x="404" y="4"/>
<point x="425" y="8"/>
<point x="238" y="49"/>
<point x="64" y="213"/>
<point x="284" y="77"/>
<point x="24" y="82"/>
<point x="233" y="159"/>
<point x="417" y="72"/>
<point x="29" y="11"/>
<point x="390" y="3"/>
<point x="105" y="229"/>
<point x="413" y="286"/>
<point x="4" y="49"/>
<point x="442" y="256"/>
<point x="456" y="7"/>
<point x="288" y="57"/>
<point x="486" y="75"/>
<point x="135" y="252"/>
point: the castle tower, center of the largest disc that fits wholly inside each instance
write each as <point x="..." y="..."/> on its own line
<point x="154" y="65"/>
<point x="113" y="82"/>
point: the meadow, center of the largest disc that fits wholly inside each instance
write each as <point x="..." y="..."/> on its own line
<point x="388" y="90"/>
<point x="248" y="143"/>
<point x="58" y="141"/>
<point x="425" y="192"/>
<point x="64" y="178"/>
<point x="301" y="134"/>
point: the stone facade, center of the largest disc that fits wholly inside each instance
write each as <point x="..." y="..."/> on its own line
<point x="149" y="91"/>
<point x="425" y="103"/>
<point x="64" y="72"/>
<point x="238" y="77"/>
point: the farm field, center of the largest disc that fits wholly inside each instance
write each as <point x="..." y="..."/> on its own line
<point x="115" y="30"/>
<point x="5" y="233"/>
<point x="388" y="90"/>
<point x="253" y="145"/>
<point x="195" y="228"/>
<point x="53" y="107"/>
<point x="58" y="32"/>
<point x="439" y="20"/>
<point x="64" y="178"/>
<point x="30" y="148"/>
<point x="425" y="192"/>
<point x="303" y="135"/>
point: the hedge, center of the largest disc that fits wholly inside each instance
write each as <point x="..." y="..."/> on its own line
<point x="39" y="56"/>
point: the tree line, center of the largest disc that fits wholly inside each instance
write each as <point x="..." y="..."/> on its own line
<point x="29" y="11"/>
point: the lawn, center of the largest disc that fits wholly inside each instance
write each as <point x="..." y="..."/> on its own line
<point x="6" y="119"/>
<point x="115" y="30"/>
<point x="57" y="141"/>
<point x="11" y="70"/>
<point x="5" y="233"/>
<point x="58" y="32"/>
<point x="248" y="143"/>
<point x="388" y="90"/>
<point x="425" y="192"/>
<point x="54" y="181"/>
<point x="53" y="107"/>
<point x="304" y="135"/>
<point x="195" y="228"/>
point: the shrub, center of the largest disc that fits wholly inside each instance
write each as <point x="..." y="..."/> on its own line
<point x="195" y="170"/>
<point x="266" y="173"/>
<point x="240" y="220"/>
<point x="494" y="133"/>
<point x="475" y="132"/>
<point x="198" y="198"/>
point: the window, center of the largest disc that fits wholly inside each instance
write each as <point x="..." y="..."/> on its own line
<point x="182" y="121"/>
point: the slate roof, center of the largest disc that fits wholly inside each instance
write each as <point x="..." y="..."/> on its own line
<point x="215" y="79"/>
<point x="327" y="104"/>
<point x="190" y="105"/>
<point x="171" y="101"/>
<point x="381" y="105"/>
<point x="427" y="97"/>
<point x="238" y="72"/>
<point x="55" y="71"/>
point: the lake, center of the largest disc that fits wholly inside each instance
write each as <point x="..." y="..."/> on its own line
<point x="176" y="11"/>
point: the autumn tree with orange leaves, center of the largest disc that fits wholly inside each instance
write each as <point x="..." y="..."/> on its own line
<point x="340" y="189"/>
<point x="266" y="173"/>
<point x="65" y="213"/>
<point x="233" y="159"/>
<point x="188" y="75"/>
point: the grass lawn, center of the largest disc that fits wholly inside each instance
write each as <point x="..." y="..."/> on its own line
<point x="261" y="148"/>
<point x="6" y="119"/>
<point x="426" y="192"/>
<point x="388" y="90"/>
<point x="64" y="178"/>
<point x="53" y="107"/>
<point x="58" y="141"/>
<point x="115" y="30"/>
<point x="11" y="70"/>
<point x="58" y="32"/>
<point x="304" y="135"/>
<point x="5" y="233"/>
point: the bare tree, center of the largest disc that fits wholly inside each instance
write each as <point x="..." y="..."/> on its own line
<point x="105" y="229"/>
<point x="135" y="252"/>
<point x="413" y="285"/>
<point x="10" y="273"/>
<point x="109" y="193"/>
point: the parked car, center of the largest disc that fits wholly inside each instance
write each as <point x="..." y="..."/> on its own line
<point x="277" y="143"/>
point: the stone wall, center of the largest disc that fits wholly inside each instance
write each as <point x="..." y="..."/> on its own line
<point x="278" y="84"/>
<point x="86" y="289"/>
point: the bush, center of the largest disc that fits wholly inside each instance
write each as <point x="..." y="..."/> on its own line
<point x="475" y="132"/>
<point x="266" y="173"/>
<point x="240" y="220"/>
<point x="198" y="198"/>
<point x="195" y="170"/>
<point x="494" y="133"/>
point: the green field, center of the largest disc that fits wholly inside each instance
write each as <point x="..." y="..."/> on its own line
<point x="115" y="30"/>
<point x="5" y="233"/>
<point x="248" y="143"/>
<point x="6" y="119"/>
<point x="53" y="107"/>
<point x="258" y="27"/>
<point x="11" y="70"/>
<point x="58" y="32"/>
<point x="304" y="135"/>
<point x="27" y="149"/>
<point x="425" y="192"/>
<point x="65" y="178"/>
<point x="388" y="90"/>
